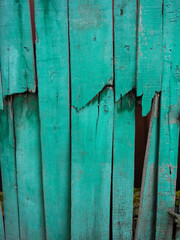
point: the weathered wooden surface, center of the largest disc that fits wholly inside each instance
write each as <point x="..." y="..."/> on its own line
<point x="125" y="24"/>
<point x="92" y="130"/>
<point x="146" y="224"/>
<point x="85" y="134"/>
<point x="123" y="167"/>
<point x="91" y="48"/>
<point x="29" y="171"/>
<point x="53" y="86"/>
<point x="169" y="123"/>
<point x="8" y="171"/>
<point x="149" y="58"/>
<point x="16" y="49"/>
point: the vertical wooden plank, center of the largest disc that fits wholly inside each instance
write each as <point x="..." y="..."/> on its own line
<point x="53" y="86"/>
<point x="125" y="22"/>
<point x="123" y="167"/>
<point x="169" y="123"/>
<point x="145" y="228"/>
<point x="8" y="171"/>
<point x="125" y="19"/>
<point x="91" y="48"/>
<point x="29" y="172"/>
<point x="16" y="49"/>
<point x="149" y="61"/>
<point x="92" y="129"/>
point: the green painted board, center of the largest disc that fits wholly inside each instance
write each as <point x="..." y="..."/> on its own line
<point x="149" y="57"/>
<point x="145" y="228"/>
<point x="169" y="123"/>
<point x="91" y="158"/>
<point x="123" y="167"/>
<point x="16" y="48"/>
<point x="53" y="90"/>
<point x="8" y="171"/>
<point x="2" y="236"/>
<point x="29" y="171"/>
<point x="91" y="48"/>
<point x="125" y="20"/>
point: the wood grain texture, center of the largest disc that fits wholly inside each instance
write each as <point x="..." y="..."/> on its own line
<point x="53" y="86"/>
<point x="125" y="23"/>
<point x="169" y="123"/>
<point x="29" y="171"/>
<point x="123" y="167"/>
<point x="149" y="59"/>
<point x="91" y="48"/>
<point x="145" y="228"/>
<point x="92" y="129"/>
<point x="16" y="48"/>
<point x="8" y="172"/>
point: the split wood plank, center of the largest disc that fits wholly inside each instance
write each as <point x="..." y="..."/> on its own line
<point x="51" y="18"/>
<point x="149" y="59"/>
<point x="16" y="47"/>
<point x="169" y="123"/>
<point x="8" y="171"/>
<point x="125" y="23"/>
<point x="91" y="48"/>
<point x="92" y="129"/>
<point x="145" y="228"/>
<point x="29" y="171"/>
<point x="123" y="167"/>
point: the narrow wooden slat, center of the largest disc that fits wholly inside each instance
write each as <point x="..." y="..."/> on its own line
<point x="8" y="171"/>
<point x="125" y="15"/>
<point x="123" y="167"/>
<point x="29" y="172"/>
<point x="149" y="61"/>
<point x="53" y="86"/>
<point x="169" y="124"/>
<point x="91" y="48"/>
<point x="92" y="129"/>
<point x="16" y="49"/>
<point x="145" y="228"/>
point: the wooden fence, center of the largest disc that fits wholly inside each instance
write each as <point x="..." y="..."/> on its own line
<point x="67" y="119"/>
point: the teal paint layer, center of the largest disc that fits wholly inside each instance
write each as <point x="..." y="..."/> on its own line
<point x="125" y="22"/>
<point x="16" y="48"/>
<point x="123" y="167"/>
<point x="169" y="123"/>
<point x="92" y="129"/>
<point x="8" y="172"/>
<point x="91" y="48"/>
<point x="149" y="58"/>
<point x="145" y="228"/>
<point x="29" y="171"/>
<point x="53" y="87"/>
